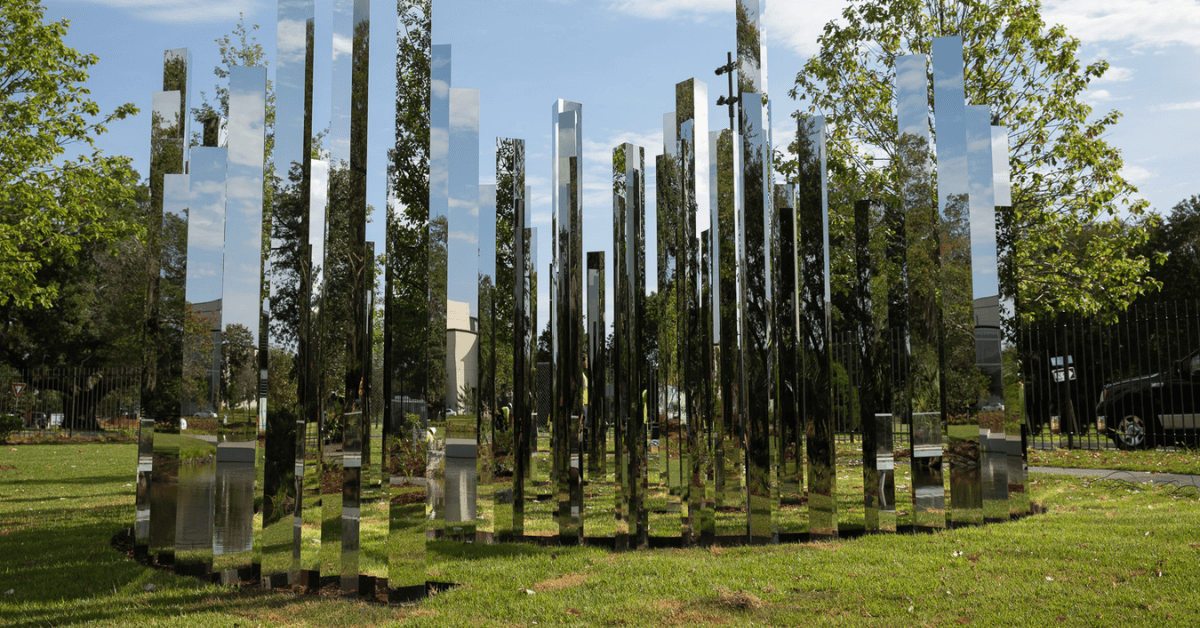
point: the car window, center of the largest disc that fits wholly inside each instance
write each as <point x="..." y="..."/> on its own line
<point x="1195" y="368"/>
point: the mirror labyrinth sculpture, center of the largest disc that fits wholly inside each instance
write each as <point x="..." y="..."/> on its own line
<point x="731" y="381"/>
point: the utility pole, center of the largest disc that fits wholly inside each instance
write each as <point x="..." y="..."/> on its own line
<point x="731" y="100"/>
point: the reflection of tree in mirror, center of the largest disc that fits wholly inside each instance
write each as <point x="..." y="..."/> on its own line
<point x="748" y="51"/>
<point x="1066" y="178"/>
<point x="965" y="384"/>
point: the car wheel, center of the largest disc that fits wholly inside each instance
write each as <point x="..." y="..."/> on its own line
<point x="1131" y="432"/>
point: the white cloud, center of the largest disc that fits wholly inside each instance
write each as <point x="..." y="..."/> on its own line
<point x="797" y="25"/>
<point x="183" y="11"/>
<point x="1098" y="96"/>
<point x="1114" y="74"/>
<point x="470" y="237"/>
<point x="672" y="9"/>
<point x="1137" y="175"/>
<point x="341" y="46"/>
<point x="291" y="41"/>
<point x="1153" y="23"/>
<point x="1177" y="106"/>
<point x="464" y="109"/>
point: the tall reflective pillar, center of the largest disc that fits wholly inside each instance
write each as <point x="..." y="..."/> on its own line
<point x="1018" y="499"/>
<point x="567" y="179"/>
<point x="812" y="218"/>
<point x="629" y="280"/>
<point x="787" y="328"/>
<point x="692" y="153"/>
<point x="162" y="353"/>
<point x="511" y="316"/>
<point x="758" y="350"/>
<point x="960" y="376"/>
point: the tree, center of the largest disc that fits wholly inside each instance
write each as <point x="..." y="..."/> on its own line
<point x="1066" y="178"/>
<point x="1176" y="244"/>
<point x="51" y="208"/>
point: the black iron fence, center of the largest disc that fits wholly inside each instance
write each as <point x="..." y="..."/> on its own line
<point x="71" y="400"/>
<point x="1131" y="383"/>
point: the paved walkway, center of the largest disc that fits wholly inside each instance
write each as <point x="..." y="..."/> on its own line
<point x="1175" y="479"/>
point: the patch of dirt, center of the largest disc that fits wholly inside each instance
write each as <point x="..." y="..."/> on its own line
<point x="6" y="467"/>
<point x="673" y="613"/>
<point x="561" y="582"/>
<point x="738" y="599"/>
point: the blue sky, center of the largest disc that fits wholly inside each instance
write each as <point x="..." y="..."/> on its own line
<point x="621" y="60"/>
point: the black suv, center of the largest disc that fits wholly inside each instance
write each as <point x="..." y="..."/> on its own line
<point x="1140" y="412"/>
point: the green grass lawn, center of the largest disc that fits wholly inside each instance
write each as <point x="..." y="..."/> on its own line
<point x="1104" y="553"/>
<point x="1180" y="461"/>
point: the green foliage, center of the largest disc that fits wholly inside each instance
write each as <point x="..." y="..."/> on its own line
<point x="51" y="209"/>
<point x="1174" y="242"/>
<point x="1074" y="223"/>
<point x="9" y="423"/>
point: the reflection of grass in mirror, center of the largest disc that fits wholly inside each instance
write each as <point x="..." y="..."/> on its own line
<point x="190" y="449"/>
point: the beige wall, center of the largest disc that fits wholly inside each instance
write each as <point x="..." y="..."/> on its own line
<point x="462" y="353"/>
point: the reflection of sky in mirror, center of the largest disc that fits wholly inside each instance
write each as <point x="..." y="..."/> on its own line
<point x="569" y="130"/>
<point x="670" y="146"/>
<point x="1001" y="190"/>
<point x="318" y="197"/>
<point x="341" y="71"/>
<point x="462" y="263"/>
<point x="753" y="114"/>
<point x="244" y="198"/>
<point x="166" y="108"/>
<point x="818" y="140"/>
<point x="912" y="96"/>
<point x="1001" y="181"/>
<point x="206" y="224"/>
<point x="983" y="210"/>
<point x="949" y="117"/>
<point x="487" y="232"/>
<point x="439" y="132"/>
<point x="291" y="48"/>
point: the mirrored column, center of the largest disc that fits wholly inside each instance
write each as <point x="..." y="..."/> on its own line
<point x="630" y="361"/>
<point x="460" y="462"/>
<point x="893" y="359"/>
<point x="878" y="478"/>
<point x="960" y="383"/>
<point x="758" y="351"/>
<point x="812" y="218"/>
<point x="921" y="369"/>
<point x="406" y="370"/>
<point x="663" y="503"/>
<point x="172" y="481"/>
<point x="567" y="178"/>
<point x="1018" y="499"/>
<point x="198" y="505"/>
<point x="289" y="278"/>
<point x="691" y="139"/>
<point x="597" y="443"/>
<point x="487" y="410"/>
<point x="439" y="223"/>
<point x="313" y="436"/>
<point x="511" y="329"/>
<point x="787" y="426"/>
<point x="241" y="300"/>
<point x="993" y="461"/>
<point x="730" y="499"/>
<point x="162" y="354"/>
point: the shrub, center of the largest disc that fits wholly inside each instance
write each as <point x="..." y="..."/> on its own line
<point x="9" y="423"/>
